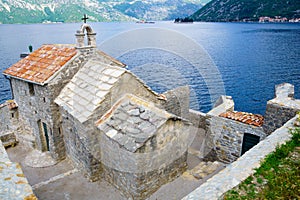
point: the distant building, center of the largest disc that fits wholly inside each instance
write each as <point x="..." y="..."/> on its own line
<point x="277" y="19"/>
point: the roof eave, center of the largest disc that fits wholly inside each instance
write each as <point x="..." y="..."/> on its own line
<point x="15" y="77"/>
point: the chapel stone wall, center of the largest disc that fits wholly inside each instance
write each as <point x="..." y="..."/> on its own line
<point x="161" y="160"/>
<point x="77" y="138"/>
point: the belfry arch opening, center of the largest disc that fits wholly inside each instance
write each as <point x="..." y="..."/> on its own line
<point x="85" y="36"/>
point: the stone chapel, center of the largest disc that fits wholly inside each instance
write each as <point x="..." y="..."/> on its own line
<point x="76" y="101"/>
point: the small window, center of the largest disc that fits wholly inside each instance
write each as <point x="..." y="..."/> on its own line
<point x="12" y="115"/>
<point x="31" y="89"/>
<point x="44" y="99"/>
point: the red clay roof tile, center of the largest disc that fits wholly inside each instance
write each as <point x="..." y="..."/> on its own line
<point x="41" y="64"/>
<point x="247" y="118"/>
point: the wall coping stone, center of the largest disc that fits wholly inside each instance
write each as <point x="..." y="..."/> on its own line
<point x="245" y="166"/>
<point x="223" y="104"/>
<point x="284" y="90"/>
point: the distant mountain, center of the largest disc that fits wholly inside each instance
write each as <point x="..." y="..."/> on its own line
<point x="238" y="10"/>
<point x="160" y="9"/>
<point x="38" y="11"/>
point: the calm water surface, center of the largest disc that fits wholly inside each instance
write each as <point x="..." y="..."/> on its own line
<point x="251" y="58"/>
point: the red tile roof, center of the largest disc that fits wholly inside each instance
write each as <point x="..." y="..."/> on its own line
<point x="247" y="118"/>
<point x="41" y="64"/>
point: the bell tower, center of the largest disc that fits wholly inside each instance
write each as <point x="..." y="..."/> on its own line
<point x="80" y="35"/>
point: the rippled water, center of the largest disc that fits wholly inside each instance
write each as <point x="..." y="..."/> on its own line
<point x="250" y="58"/>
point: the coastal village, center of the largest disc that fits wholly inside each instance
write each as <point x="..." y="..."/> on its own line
<point x="278" y="19"/>
<point x="74" y="102"/>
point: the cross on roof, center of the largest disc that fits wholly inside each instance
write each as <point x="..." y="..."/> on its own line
<point x="85" y="17"/>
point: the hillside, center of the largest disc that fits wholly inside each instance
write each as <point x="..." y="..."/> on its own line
<point x="238" y="10"/>
<point x="38" y="11"/>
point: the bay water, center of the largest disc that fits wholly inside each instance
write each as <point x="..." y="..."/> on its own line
<point x="242" y="60"/>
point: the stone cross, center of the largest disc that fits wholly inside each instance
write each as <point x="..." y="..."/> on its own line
<point x="84" y="18"/>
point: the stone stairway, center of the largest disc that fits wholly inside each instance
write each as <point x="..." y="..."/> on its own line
<point x="204" y="169"/>
<point x="200" y="168"/>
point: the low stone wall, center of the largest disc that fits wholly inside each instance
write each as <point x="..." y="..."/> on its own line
<point x="5" y="122"/>
<point x="239" y="170"/>
<point x="223" y="104"/>
<point x="8" y="118"/>
<point x="282" y="108"/>
<point x="142" y="185"/>
<point x="276" y="115"/>
<point x="14" y="185"/>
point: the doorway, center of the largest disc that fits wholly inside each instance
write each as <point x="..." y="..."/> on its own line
<point x="249" y="141"/>
<point x="44" y="136"/>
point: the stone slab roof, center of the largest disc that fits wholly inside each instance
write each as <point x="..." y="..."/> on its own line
<point x="111" y="59"/>
<point x="41" y="64"/>
<point x="132" y="121"/>
<point x="88" y="88"/>
<point x="247" y="118"/>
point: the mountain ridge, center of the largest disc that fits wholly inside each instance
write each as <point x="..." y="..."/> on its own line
<point x="245" y="10"/>
<point x="43" y="11"/>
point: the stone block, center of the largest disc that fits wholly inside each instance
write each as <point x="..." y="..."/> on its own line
<point x="284" y="90"/>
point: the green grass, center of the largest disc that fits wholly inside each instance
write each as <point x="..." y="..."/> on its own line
<point x="277" y="178"/>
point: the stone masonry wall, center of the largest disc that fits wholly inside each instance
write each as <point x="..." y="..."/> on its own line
<point x="161" y="154"/>
<point x="225" y="137"/>
<point x="5" y="122"/>
<point x="142" y="185"/>
<point x="77" y="138"/>
<point x="141" y="173"/>
<point x="276" y="116"/>
<point x="282" y="108"/>
<point x="9" y="125"/>
<point x="36" y="109"/>
<point x="130" y="84"/>
<point x="198" y="119"/>
<point x="178" y="101"/>
<point x="31" y="109"/>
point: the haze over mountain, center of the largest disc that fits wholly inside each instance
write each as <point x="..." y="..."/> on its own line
<point x="38" y="11"/>
<point x="238" y="10"/>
